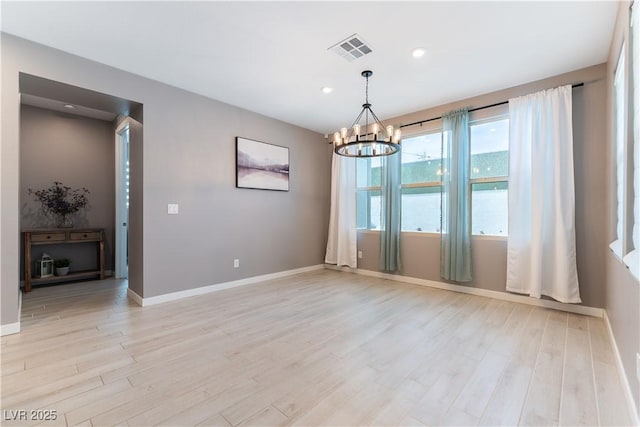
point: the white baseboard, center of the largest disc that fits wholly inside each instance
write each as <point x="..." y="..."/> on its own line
<point x="631" y="404"/>
<point x="135" y="297"/>
<point x="571" y="308"/>
<point x="144" y="302"/>
<point x="11" y="328"/>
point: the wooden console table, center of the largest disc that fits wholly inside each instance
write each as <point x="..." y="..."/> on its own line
<point x="60" y="236"/>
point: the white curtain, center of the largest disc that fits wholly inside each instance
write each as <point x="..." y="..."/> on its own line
<point x="541" y="254"/>
<point x="342" y="240"/>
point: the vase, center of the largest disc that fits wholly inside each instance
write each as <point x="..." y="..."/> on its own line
<point x="62" y="271"/>
<point x="65" y="222"/>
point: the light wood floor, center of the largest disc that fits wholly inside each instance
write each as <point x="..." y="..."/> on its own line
<point x="321" y="348"/>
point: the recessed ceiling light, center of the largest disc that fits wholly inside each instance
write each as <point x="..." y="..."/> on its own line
<point x="327" y="89"/>
<point x="69" y="106"/>
<point x="418" y="52"/>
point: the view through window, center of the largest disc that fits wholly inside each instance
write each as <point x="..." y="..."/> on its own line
<point x="421" y="171"/>
<point x="489" y="175"/>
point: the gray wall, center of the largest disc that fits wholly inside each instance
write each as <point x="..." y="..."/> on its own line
<point x="186" y="155"/>
<point x="420" y="251"/>
<point x="621" y="288"/>
<point x="421" y="258"/>
<point x="79" y="152"/>
<point x="136" y="207"/>
<point x="189" y="159"/>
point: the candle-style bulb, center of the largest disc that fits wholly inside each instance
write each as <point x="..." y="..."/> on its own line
<point x="356" y="131"/>
<point x="336" y="138"/>
<point x="390" y="132"/>
<point x="396" y="136"/>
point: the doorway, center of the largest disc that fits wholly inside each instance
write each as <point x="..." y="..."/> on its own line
<point x="122" y="201"/>
<point x="105" y="132"/>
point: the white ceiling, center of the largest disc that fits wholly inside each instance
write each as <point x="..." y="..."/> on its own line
<point x="272" y="57"/>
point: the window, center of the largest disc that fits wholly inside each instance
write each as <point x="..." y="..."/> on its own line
<point x="626" y="104"/>
<point x="421" y="162"/>
<point x="489" y="176"/>
<point x="368" y="201"/>
<point x="620" y="141"/>
<point x="421" y="158"/>
<point x="632" y="259"/>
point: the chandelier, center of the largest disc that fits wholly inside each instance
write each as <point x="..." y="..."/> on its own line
<point x="377" y="140"/>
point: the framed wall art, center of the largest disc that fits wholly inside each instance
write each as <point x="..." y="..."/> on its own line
<point x="261" y="166"/>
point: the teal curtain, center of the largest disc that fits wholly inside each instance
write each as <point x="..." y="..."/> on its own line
<point x="455" y="230"/>
<point x="391" y="214"/>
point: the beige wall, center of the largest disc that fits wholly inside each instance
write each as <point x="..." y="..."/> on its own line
<point x="621" y="288"/>
<point x="186" y="155"/>
<point x="420" y="251"/>
<point x="79" y="152"/>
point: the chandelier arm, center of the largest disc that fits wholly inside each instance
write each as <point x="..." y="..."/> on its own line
<point x="357" y="119"/>
<point x="382" y="128"/>
<point x="375" y="117"/>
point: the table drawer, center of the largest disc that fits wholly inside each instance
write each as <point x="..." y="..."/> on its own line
<point x="47" y="237"/>
<point x="84" y="236"/>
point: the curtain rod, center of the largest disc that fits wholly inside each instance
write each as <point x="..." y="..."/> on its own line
<point x="473" y="109"/>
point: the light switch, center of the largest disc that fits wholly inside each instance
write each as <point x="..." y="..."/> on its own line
<point x="172" y="209"/>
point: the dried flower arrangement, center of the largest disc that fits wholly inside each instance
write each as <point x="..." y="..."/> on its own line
<point x="61" y="200"/>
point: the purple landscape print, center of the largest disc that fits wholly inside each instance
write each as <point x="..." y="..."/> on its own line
<point x="261" y="166"/>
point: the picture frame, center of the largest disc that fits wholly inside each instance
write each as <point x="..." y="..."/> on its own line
<point x="261" y="166"/>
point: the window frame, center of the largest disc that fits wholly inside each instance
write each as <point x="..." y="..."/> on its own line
<point x="436" y="127"/>
<point x="621" y="136"/>
<point x="631" y="250"/>
<point x="488" y="180"/>
<point x="368" y="190"/>
<point x="429" y="130"/>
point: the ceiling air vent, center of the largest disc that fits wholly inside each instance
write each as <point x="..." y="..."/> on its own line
<point x="353" y="47"/>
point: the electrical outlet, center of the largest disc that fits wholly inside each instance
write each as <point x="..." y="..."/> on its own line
<point x="638" y="365"/>
<point x="236" y="263"/>
<point x="172" y="209"/>
<point x="359" y="254"/>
